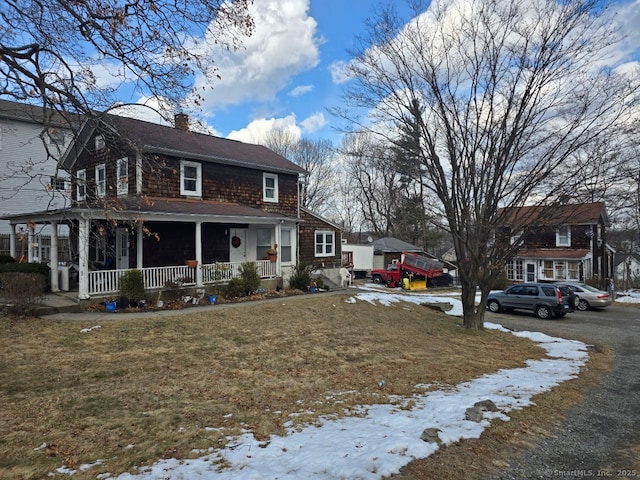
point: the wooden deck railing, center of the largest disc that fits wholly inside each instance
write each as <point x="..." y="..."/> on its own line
<point x="107" y="282"/>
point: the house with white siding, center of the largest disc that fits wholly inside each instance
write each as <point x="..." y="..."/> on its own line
<point x="30" y="177"/>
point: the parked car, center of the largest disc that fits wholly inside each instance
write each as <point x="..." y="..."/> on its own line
<point x="546" y="300"/>
<point x="588" y="297"/>
<point x="444" y="280"/>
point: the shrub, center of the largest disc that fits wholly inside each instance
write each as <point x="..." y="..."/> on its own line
<point x="235" y="288"/>
<point x="132" y="285"/>
<point x="39" y="268"/>
<point x="501" y="281"/>
<point x="246" y="283"/>
<point x="301" y="277"/>
<point x="23" y="291"/>
<point x="7" y="259"/>
<point x="250" y="276"/>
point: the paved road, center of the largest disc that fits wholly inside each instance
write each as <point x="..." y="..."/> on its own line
<point x="596" y="438"/>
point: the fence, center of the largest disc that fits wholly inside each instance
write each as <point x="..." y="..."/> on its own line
<point x="107" y="282"/>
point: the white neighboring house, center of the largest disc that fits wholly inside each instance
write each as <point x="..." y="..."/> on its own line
<point x="627" y="267"/>
<point x="29" y="177"/>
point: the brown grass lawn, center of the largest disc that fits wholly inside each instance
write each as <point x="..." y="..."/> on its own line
<point x="134" y="391"/>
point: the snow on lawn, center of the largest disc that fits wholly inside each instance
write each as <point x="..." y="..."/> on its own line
<point x="385" y="437"/>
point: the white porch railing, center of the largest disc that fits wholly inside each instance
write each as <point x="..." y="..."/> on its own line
<point x="107" y="282"/>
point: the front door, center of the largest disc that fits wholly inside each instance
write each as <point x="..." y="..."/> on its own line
<point x="122" y="248"/>
<point x="531" y="272"/>
<point x="238" y="245"/>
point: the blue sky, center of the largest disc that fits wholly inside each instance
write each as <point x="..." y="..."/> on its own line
<point x="320" y="33"/>
<point x="287" y="74"/>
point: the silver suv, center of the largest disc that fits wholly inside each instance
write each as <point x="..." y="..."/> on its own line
<point x="544" y="299"/>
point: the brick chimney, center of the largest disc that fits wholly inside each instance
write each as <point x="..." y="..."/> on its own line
<point x="181" y="121"/>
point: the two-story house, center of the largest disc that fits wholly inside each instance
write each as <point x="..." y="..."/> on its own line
<point x="183" y="207"/>
<point x="30" y="179"/>
<point x="558" y="242"/>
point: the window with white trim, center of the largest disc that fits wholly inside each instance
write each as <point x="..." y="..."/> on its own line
<point x="190" y="179"/>
<point x="563" y="236"/>
<point x="122" y="173"/>
<point x="285" y="245"/>
<point x="515" y="270"/>
<point x="325" y="243"/>
<point x="101" y="180"/>
<point x="99" y="142"/>
<point x="81" y="185"/>
<point x="263" y="242"/>
<point x="270" y="187"/>
<point x="55" y="136"/>
<point x="59" y="184"/>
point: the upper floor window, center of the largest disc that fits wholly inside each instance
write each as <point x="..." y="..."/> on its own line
<point x="81" y="185"/>
<point x="59" y="184"/>
<point x="190" y="178"/>
<point x="122" y="167"/>
<point x="563" y="236"/>
<point x="55" y="136"/>
<point x="99" y="142"/>
<point x="325" y="243"/>
<point x="517" y="237"/>
<point x="270" y="187"/>
<point x="101" y="180"/>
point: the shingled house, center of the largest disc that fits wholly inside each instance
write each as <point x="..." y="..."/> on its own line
<point x="558" y="242"/>
<point x="183" y="206"/>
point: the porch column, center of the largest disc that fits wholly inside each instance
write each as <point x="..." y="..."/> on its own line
<point x="140" y="238"/>
<point x="30" y="241"/>
<point x="54" y="257"/>
<point x="278" y="241"/>
<point x="83" y="259"/>
<point x="12" y="242"/>
<point x="199" y="254"/>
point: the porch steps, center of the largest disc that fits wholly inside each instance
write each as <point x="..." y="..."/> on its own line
<point x="59" y="303"/>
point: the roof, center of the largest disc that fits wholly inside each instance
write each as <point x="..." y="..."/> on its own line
<point x="149" y="208"/>
<point x="567" y="214"/>
<point x="624" y="257"/>
<point x="25" y="112"/>
<point x="152" y="138"/>
<point x="391" y="244"/>
<point x="554" y="253"/>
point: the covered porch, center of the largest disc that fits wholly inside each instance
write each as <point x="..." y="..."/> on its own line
<point x="173" y="242"/>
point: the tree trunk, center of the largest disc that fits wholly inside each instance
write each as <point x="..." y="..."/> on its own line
<point x="473" y="316"/>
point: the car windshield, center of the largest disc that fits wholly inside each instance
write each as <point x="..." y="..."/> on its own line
<point x="588" y="288"/>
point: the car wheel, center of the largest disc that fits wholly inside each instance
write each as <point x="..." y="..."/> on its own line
<point x="377" y="279"/>
<point x="582" y="304"/>
<point x="493" y="306"/>
<point x="543" y="312"/>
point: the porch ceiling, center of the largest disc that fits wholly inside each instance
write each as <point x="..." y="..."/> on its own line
<point x="554" y="253"/>
<point x="158" y="209"/>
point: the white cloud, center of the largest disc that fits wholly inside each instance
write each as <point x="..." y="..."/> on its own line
<point x="283" y="44"/>
<point x="150" y="109"/>
<point x="339" y="72"/>
<point x="257" y="130"/>
<point x="301" y="90"/>
<point x="313" y="123"/>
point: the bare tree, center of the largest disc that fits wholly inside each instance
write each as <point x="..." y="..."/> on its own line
<point x="74" y="56"/>
<point x="370" y="169"/>
<point x="317" y="157"/>
<point x="502" y="94"/>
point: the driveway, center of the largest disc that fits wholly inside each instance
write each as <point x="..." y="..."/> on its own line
<point x="598" y="435"/>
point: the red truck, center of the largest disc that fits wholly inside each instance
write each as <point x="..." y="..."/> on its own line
<point x="414" y="271"/>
